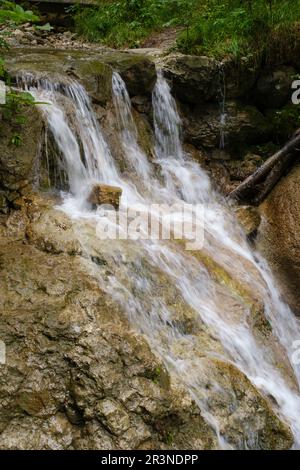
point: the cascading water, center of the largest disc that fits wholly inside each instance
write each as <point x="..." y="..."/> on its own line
<point x="128" y="130"/>
<point x="139" y="267"/>
<point x="223" y="114"/>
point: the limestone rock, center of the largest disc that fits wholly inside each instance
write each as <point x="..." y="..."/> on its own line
<point x="240" y="77"/>
<point x="279" y="235"/>
<point x="246" y="406"/>
<point x="104" y="194"/>
<point x="79" y="377"/>
<point x="240" y="169"/>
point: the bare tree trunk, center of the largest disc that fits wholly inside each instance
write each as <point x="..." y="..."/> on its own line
<point x="258" y="185"/>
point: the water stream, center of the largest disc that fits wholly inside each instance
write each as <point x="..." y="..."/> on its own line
<point x="149" y="274"/>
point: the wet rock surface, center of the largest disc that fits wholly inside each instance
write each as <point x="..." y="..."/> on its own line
<point x="279" y="237"/>
<point x="194" y="79"/>
<point x="243" y="125"/>
<point x="77" y="376"/>
<point x="92" y="68"/>
<point x="273" y="88"/>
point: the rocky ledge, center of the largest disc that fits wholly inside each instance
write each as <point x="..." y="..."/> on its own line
<point x="77" y="376"/>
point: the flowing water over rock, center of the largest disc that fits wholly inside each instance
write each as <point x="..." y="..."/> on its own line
<point x="213" y="315"/>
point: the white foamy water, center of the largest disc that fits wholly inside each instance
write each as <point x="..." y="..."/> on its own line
<point x="136" y="267"/>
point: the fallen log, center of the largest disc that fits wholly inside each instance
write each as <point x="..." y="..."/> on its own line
<point x="258" y="185"/>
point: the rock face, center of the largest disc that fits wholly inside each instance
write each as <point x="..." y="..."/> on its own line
<point x="77" y="376"/>
<point x="242" y="107"/>
<point x="94" y="73"/>
<point x="137" y="71"/>
<point x="279" y="235"/>
<point x="243" y="125"/>
<point x="104" y="194"/>
<point x="92" y="69"/>
<point x="194" y="79"/>
<point x="18" y="162"/>
<point x="197" y="79"/>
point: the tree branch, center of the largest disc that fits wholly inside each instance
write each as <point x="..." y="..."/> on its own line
<point x="258" y="185"/>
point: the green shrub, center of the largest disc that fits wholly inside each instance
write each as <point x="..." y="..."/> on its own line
<point x="237" y="27"/>
<point x="127" y="22"/>
<point x="214" y="27"/>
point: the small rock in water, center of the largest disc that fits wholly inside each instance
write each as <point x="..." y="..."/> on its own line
<point x="105" y="194"/>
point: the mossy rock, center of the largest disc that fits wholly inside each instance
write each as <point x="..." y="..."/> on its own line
<point x="18" y="157"/>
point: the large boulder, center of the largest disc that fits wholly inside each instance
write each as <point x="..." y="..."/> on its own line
<point x="93" y="70"/>
<point x="243" y="125"/>
<point x="193" y="79"/>
<point x="137" y="71"/>
<point x="279" y="235"/>
<point x="197" y="79"/>
<point x="103" y="194"/>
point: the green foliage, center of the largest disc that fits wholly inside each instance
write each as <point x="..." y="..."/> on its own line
<point x="13" y="111"/>
<point x="238" y="27"/>
<point x="45" y="27"/>
<point x="15" y="103"/>
<point x="2" y="68"/>
<point x="127" y="22"/>
<point x="215" y="27"/>
<point x="16" y="140"/>
<point x="12" y="13"/>
<point x="3" y="46"/>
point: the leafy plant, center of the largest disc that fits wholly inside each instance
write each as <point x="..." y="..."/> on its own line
<point x="45" y="27"/>
<point x="16" y="140"/>
<point x="13" y="111"/>
<point x="11" y="12"/>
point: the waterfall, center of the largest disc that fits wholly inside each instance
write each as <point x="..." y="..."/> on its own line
<point x="128" y="130"/>
<point x="223" y="114"/>
<point x="145" y="275"/>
